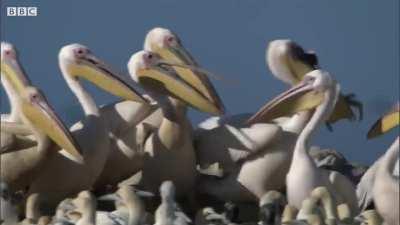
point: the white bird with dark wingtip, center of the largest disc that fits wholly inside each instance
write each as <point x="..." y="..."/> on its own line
<point x="317" y="90"/>
<point x="62" y="176"/>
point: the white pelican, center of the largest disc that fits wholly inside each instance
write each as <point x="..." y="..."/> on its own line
<point x="369" y="217"/>
<point x="364" y="187"/>
<point x="285" y="59"/>
<point x="10" y="67"/>
<point x="168" y="45"/>
<point x="169" y="212"/>
<point x="125" y="158"/>
<point x="271" y="206"/>
<point x="32" y="209"/>
<point x="385" y="189"/>
<point x="318" y="90"/>
<point x="22" y="164"/>
<point x="8" y="208"/>
<point x="130" y="209"/>
<point x="61" y="176"/>
<point x="254" y="158"/>
<point x="84" y="207"/>
<point x="170" y="145"/>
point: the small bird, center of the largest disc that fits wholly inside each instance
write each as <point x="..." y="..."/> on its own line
<point x="169" y="212"/>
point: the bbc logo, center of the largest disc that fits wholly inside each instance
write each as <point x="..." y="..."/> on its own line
<point x="22" y="11"/>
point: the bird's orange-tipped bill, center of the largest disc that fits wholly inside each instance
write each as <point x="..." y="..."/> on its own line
<point x="385" y="124"/>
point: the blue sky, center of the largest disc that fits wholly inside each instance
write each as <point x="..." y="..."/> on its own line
<point x="356" y="41"/>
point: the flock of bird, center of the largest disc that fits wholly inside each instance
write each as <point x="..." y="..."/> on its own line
<point x="140" y="161"/>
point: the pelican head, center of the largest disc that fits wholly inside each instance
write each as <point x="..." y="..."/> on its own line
<point x="39" y="114"/>
<point x="10" y="67"/>
<point x="77" y="61"/>
<point x="387" y="122"/>
<point x="85" y="202"/>
<point x="289" y="62"/>
<point x="308" y="94"/>
<point x="126" y="195"/>
<point x="158" y="76"/>
<point x="167" y="190"/>
<point x="167" y="44"/>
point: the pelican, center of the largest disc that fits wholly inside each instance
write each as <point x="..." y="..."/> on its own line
<point x="130" y="209"/>
<point x="32" y="210"/>
<point x="84" y="206"/>
<point x="385" y="188"/>
<point x="169" y="46"/>
<point x="169" y="212"/>
<point x="318" y="90"/>
<point x="369" y="217"/>
<point x="364" y="187"/>
<point x="293" y="55"/>
<point x="24" y="164"/>
<point x="170" y="145"/>
<point x="208" y="216"/>
<point x="10" y="68"/>
<point x="256" y="158"/>
<point x="272" y="205"/>
<point x="31" y="115"/>
<point x="12" y="71"/>
<point x="8" y="208"/>
<point x="124" y="159"/>
<point x="62" y="176"/>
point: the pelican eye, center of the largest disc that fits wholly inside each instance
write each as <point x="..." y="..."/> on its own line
<point x="34" y="97"/>
<point x="309" y="79"/>
<point x="80" y="52"/>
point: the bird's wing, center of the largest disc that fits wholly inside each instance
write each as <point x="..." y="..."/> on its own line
<point x="345" y="188"/>
<point x="364" y="187"/>
<point x="228" y="139"/>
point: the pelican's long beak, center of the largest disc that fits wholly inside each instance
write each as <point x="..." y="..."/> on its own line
<point x="97" y="72"/>
<point x="164" y="79"/>
<point x="42" y="116"/>
<point x="384" y="124"/>
<point x="14" y="73"/>
<point x="299" y="98"/>
<point x="178" y="54"/>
